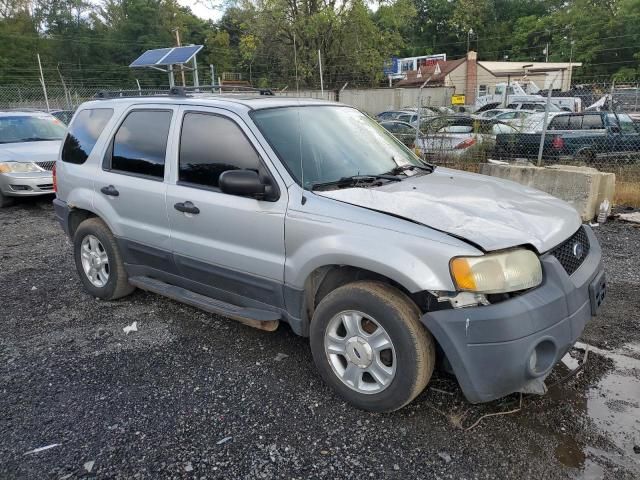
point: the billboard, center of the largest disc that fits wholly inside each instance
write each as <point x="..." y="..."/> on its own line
<point x="397" y="67"/>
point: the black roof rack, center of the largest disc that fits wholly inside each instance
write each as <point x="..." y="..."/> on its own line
<point x="182" y="91"/>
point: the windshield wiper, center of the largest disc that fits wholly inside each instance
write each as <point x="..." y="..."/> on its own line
<point x="38" y="139"/>
<point x="354" y="180"/>
<point x="403" y="168"/>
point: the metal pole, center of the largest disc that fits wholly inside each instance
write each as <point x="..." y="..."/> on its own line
<point x="506" y="91"/>
<point x="213" y="75"/>
<point x="196" y="79"/>
<point x="420" y="110"/>
<point x="321" y="81"/>
<point x="67" y="96"/>
<point x="544" y="122"/>
<point x="172" y="81"/>
<point x="295" y="60"/>
<point x="139" y="89"/>
<point x="177" y="30"/>
<point x="44" y="87"/>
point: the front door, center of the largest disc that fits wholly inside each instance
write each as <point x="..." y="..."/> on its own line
<point x="232" y="244"/>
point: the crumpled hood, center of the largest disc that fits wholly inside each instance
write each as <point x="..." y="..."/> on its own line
<point x="490" y="212"/>
<point x="30" y="151"/>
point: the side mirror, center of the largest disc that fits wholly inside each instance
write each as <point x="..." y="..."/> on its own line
<point x="245" y="183"/>
<point x="614" y="129"/>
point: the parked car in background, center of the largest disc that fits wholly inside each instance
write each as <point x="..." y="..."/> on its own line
<point x="403" y="131"/>
<point x="456" y="135"/>
<point x="64" y="116"/>
<point x="582" y="137"/>
<point x="307" y="212"/>
<point x="389" y="115"/>
<point x="29" y="145"/>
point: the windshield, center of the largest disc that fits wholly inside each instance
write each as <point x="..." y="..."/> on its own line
<point x="330" y="142"/>
<point x="14" y="129"/>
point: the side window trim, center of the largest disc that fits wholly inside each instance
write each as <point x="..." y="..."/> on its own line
<point x="182" y="115"/>
<point x="108" y="154"/>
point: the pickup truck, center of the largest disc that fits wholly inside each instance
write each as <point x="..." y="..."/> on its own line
<point x="582" y="137"/>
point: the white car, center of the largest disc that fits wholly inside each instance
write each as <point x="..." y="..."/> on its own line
<point x="29" y="146"/>
<point x="455" y="135"/>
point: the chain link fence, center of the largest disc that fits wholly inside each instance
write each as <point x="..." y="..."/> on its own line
<point x="604" y="132"/>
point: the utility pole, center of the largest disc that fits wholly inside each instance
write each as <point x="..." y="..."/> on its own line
<point x="177" y="32"/>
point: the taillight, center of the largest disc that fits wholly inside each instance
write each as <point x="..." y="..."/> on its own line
<point x="466" y="143"/>
<point x="55" y="179"/>
<point x="558" y="143"/>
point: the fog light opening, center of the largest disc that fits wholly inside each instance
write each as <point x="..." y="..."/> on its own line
<point x="542" y="357"/>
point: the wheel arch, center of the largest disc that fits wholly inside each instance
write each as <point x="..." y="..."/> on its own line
<point x="326" y="278"/>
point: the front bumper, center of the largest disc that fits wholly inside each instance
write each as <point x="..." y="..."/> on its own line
<point x="490" y="347"/>
<point x="26" y="184"/>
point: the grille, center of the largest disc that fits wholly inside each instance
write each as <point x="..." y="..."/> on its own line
<point x="566" y="251"/>
<point x="46" y="165"/>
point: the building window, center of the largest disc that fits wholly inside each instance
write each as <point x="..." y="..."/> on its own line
<point x="483" y="90"/>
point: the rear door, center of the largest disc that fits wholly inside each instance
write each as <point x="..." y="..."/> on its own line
<point x="130" y="186"/>
<point x="233" y="244"/>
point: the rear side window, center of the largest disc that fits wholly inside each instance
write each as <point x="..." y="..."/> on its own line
<point x="83" y="134"/>
<point x="210" y="145"/>
<point x="140" y="144"/>
<point x="575" y="122"/>
<point x="561" y="122"/>
<point x="592" y="122"/>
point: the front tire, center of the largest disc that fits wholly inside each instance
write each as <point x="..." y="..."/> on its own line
<point x="368" y="345"/>
<point x="99" y="262"/>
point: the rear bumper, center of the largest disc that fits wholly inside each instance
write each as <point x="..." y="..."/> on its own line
<point x="26" y="184"/>
<point x="490" y="347"/>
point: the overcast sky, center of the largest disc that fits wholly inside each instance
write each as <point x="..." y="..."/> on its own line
<point x="201" y="10"/>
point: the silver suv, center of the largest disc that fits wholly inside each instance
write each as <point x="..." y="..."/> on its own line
<point x="308" y="212"/>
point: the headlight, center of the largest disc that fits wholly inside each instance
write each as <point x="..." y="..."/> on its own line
<point x="498" y="272"/>
<point x="18" y="167"/>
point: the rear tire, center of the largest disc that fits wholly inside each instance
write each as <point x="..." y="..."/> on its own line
<point x="6" y="201"/>
<point x="99" y="262"/>
<point x="378" y="376"/>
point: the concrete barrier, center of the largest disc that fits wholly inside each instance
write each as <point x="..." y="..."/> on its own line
<point x="583" y="187"/>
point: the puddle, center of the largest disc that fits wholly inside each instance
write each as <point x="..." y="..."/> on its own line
<point x="612" y="406"/>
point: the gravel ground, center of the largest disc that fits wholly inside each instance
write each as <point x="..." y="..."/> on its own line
<point x="191" y="395"/>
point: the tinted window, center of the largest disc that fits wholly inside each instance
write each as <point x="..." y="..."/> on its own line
<point x="591" y="122"/>
<point x="575" y="122"/>
<point x="140" y="145"/>
<point x="83" y="134"/>
<point x="561" y="122"/>
<point x="210" y="145"/>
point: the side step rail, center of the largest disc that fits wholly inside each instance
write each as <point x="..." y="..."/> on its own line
<point x="253" y="317"/>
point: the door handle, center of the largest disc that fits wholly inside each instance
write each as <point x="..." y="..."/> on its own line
<point x="110" y="190"/>
<point x="187" y="207"/>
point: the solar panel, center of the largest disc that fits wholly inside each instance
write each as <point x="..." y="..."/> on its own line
<point x="166" y="56"/>
<point x="180" y="55"/>
<point x="150" y="57"/>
